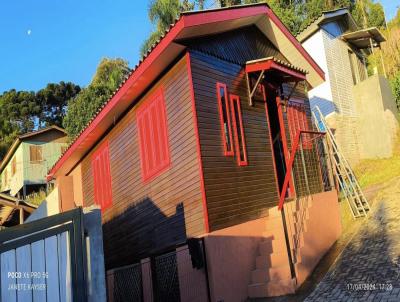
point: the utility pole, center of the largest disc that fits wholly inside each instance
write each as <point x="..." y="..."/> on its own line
<point x="363" y="12"/>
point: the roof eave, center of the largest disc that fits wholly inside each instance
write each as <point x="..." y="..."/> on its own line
<point x="143" y="75"/>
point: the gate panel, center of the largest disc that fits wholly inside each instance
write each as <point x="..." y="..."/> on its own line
<point x="166" y="280"/>
<point x="44" y="260"/>
<point x="24" y="264"/>
<point x="39" y="265"/>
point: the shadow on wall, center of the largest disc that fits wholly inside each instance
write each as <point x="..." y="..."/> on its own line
<point x="142" y="229"/>
<point x="369" y="259"/>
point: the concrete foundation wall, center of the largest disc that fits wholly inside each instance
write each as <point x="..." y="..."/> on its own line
<point x="231" y="255"/>
<point x="377" y="117"/>
<point x="232" y="252"/>
<point x="320" y="229"/>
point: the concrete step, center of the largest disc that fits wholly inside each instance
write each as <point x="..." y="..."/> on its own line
<point x="273" y="223"/>
<point x="268" y="247"/>
<point x="272" y="289"/>
<point x="270" y="274"/>
<point x="272" y="260"/>
<point x="300" y="226"/>
<point x="274" y="212"/>
<point x="276" y="233"/>
<point x="301" y="216"/>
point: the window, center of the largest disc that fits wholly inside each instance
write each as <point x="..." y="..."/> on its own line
<point x="35" y="154"/>
<point x="238" y="131"/>
<point x="102" y="177"/>
<point x="297" y="119"/>
<point x="153" y="136"/>
<point x="13" y="166"/>
<point x="224" y="115"/>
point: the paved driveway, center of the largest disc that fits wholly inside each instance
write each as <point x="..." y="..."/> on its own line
<point x="369" y="267"/>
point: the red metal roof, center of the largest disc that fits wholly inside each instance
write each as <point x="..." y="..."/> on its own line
<point x="189" y="25"/>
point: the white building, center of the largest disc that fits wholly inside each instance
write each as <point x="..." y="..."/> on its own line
<point x="361" y="110"/>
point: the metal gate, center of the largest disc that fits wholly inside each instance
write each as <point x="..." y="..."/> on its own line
<point x="44" y="260"/>
<point x="127" y="283"/>
<point x="165" y="278"/>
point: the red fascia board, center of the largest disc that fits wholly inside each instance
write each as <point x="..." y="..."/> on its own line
<point x="90" y="135"/>
<point x="112" y="104"/>
<point x="223" y="15"/>
<point x="270" y="64"/>
<point x="296" y="43"/>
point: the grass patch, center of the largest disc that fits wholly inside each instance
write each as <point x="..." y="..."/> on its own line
<point x="36" y="198"/>
<point x="377" y="171"/>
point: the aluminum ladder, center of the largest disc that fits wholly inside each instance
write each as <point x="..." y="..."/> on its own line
<point x="344" y="175"/>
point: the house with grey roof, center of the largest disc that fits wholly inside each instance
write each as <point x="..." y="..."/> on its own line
<point x="360" y="109"/>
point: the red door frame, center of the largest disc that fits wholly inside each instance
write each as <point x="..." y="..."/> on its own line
<point x="283" y="136"/>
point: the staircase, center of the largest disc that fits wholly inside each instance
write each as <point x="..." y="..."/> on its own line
<point x="345" y="177"/>
<point x="272" y="276"/>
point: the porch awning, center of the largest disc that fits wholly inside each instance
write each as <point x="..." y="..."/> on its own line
<point x="287" y="72"/>
<point x="362" y="39"/>
<point x="10" y="207"/>
<point x="280" y="71"/>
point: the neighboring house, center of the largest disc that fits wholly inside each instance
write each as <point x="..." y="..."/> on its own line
<point x="13" y="211"/>
<point x="181" y="151"/>
<point x="25" y="165"/>
<point x="360" y="109"/>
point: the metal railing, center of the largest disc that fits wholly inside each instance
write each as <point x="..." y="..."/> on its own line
<point x="317" y="150"/>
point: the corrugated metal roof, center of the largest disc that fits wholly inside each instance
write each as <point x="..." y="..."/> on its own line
<point x="154" y="46"/>
<point x="307" y="29"/>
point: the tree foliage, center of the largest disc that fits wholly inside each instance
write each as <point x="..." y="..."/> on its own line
<point x="163" y="13"/>
<point x="109" y="75"/>
<point x="295" y="14"/>
<point x="53" y="102"/>
<point x="395" y="82"/>
<point x="25" y="111"/>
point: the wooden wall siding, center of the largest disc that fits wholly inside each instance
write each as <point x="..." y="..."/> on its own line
<point x="237" y="46"/>
<point x="148" y="217"/>
<point x="234" y="194"/>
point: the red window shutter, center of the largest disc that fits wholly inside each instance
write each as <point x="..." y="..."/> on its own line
<point x="102" y="177"/>
<point x="153" y="136"/>
<point x="225" y="120"/>
<point x="238" y="131"/>
<point x="297" y="120"/>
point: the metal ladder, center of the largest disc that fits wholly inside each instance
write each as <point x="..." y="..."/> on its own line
<point x="345" y="177"/>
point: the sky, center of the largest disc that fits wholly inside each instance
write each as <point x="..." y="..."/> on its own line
<point x="47" y="41"/>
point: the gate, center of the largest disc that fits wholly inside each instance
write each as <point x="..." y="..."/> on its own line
<point x="178" y="275"/>
<point x="166" y="280"/>
<point x="44" y="260"/>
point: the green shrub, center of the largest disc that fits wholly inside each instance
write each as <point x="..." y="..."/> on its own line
<point x="395" y="82"/>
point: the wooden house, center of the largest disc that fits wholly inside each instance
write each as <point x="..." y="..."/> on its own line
<point x="14" y="211"/>
<point x="195" y="144"/>
<point x="24" y="167"/>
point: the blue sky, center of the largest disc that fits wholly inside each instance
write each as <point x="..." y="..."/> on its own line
<point x="46" y="41"/>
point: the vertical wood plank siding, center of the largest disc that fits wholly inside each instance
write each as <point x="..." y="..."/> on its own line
<point x="148" y="217"/>
<point x="235" y="194"/>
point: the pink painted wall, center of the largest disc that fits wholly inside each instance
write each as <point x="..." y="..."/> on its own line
<point x="323" y="228"/>
<point x="232" y="252"/>
<point x="192" y="281"/>
<point x="231" y="255"/>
